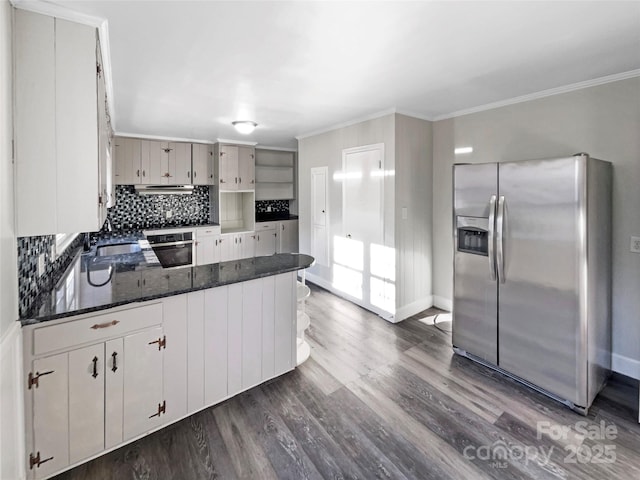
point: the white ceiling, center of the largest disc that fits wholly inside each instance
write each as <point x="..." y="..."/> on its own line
<point x="188" y="68"/>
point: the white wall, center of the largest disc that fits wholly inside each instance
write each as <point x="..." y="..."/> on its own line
<point x="603" y="121"/>
<point x="326" y="150"/>
<point x="413" y="172"/>
<point x="408" y="154"/>
<point x="11" y="422"/>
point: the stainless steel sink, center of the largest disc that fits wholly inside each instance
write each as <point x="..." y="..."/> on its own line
<point x="118" y="249"/>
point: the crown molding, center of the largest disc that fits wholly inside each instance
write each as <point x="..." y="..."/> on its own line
<point x="336" y="126"/>
<point x="542" y="94"/>
<point x="58" y="11"/>
<point x="162" y="138"/>
<point x="279" y="149"/>
<point x="236" y="142"/>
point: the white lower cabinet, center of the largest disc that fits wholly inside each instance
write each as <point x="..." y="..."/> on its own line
<point x="235" y="246"/>
<point x="87" y="399"/>
<point x="99" y="381"/>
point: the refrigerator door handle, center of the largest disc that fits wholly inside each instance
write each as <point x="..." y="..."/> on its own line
<point x="500" y="240"/>
<point x="492" y="235"/>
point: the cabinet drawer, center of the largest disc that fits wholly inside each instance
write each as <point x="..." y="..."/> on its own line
<point x="260" y="226"/>
<point x="208" y="231"/>
<point x="95" y="328"/>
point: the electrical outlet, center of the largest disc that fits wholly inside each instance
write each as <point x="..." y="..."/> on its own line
<point x="268" y="208"/>
<point x="168" y="214"/>
<point x="40" y="264"/>
<point x="635" y="244"/>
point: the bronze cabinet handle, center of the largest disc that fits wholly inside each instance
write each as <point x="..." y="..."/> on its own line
<point x="114" y="356"/>
<point x="105" y="325"/>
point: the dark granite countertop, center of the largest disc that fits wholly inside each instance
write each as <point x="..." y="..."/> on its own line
<point x="92" y="283"/>
<point x="274" y="216"/>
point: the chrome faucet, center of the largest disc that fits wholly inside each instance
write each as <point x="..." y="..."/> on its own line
<point x="109" y="225"/>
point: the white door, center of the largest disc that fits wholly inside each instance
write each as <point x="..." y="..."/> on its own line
<point x="319" y="214"/>
<point x="86" y="402"/>
<point x="143" y="400"/>
<point x="246" y="168"/>
<point x="362" y="180"/>
<point x="51" y="414"/>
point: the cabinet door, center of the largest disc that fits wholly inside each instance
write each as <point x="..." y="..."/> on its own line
<point x="228" y="167"/>
<point x="180" y="163"/>
<point x="202" y="164"/>
<point x="77" y="177"/>
<point x="246" y="168"/>
<point x="128" y="161"/>
<point x="175" y="356"/>
<point x="151" y="162"/>
<point x="86" y="402"/>
<point x="247" y="245"/>
<point x="215" y="344"/>
<point x="288" y="236"/>
<point x="34" y="122"/>
<point x="51" y="414"/>
<point x="204" y="250"/>
<point x="265" y="243"/>
<point x="142" y="382"/>
<point x="228" y="247"/>
<point x="114" y="388"/>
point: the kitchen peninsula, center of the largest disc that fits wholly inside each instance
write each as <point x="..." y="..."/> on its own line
<point x="121" y="347"/>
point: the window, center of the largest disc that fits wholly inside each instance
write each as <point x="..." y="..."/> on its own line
<point x="63" y="240"/>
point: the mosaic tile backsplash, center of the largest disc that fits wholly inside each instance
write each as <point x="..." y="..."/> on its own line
<point x="29" y="284"/>
<point x="276" y="206"/>
<point x="133" y="211"/>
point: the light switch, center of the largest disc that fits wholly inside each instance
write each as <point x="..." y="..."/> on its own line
<point x="404" y="213"/>
<point x="635" y="244"/>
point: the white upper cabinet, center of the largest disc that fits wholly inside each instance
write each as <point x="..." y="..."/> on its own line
<point x="179" y="163"/>
<point x="235" y="167"/>
<point x="56" y="126"/>
<point x="202" y="164"/>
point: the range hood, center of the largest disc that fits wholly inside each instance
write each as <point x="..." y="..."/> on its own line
<point x="164" y="189"/>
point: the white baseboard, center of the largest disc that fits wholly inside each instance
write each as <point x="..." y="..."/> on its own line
<point x="321" y="282"/>
<point x="443" y="303"/>
<point x="415" y="307"/>
<point x="401" y="313"/>
<point x="625" y="365"/>
<point x="12" y="460"/>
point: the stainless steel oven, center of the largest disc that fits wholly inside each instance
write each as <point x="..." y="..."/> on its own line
<point x="173" y="249"/>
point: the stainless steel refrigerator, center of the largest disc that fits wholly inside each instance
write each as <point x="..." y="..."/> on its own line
<point x="532" y="272"/>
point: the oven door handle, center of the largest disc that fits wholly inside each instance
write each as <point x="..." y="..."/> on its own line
<point x="171" y="244"/>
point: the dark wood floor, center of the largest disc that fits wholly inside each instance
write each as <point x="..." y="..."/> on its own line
<point x="377" y="400"/>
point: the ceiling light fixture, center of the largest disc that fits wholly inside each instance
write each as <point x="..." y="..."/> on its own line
<point x="244" y="126"/>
